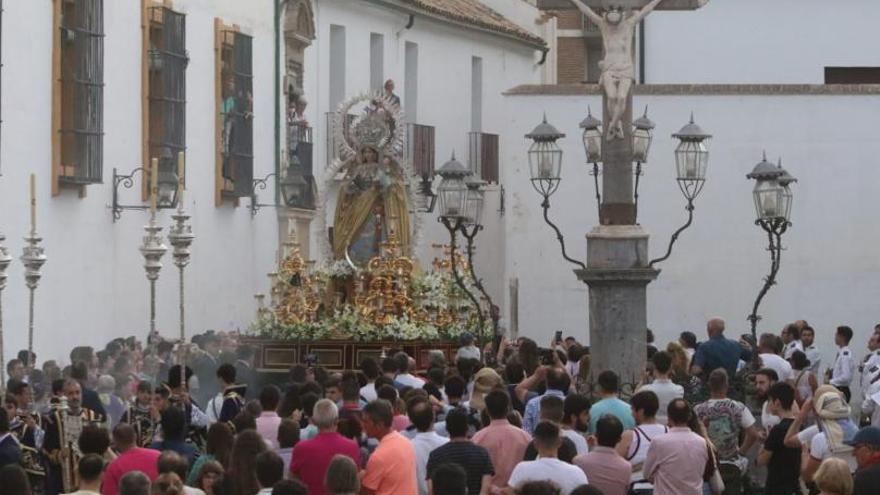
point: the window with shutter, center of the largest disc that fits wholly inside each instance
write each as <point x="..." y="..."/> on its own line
<point x="235" y="132"/>
<point x="164" y="104"/>
<point x="78" y="93"/>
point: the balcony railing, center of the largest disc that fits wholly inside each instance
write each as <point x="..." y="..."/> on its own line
<point x="483" y="156"/>
<point x="420" y="149"/>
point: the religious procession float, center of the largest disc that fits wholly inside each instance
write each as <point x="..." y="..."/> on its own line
<point x="370" y="295"/>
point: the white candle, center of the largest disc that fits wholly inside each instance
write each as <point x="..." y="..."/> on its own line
<point x="545" y="169"/>
<point x="769" y="205"/>
<point x="33" y="203"/>
<point x="181" y="169"/>
<point x="154" y="183"/>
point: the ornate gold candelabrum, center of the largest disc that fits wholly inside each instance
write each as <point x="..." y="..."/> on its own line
<point x="389" y="277"/>
<point x="294" y="292"/>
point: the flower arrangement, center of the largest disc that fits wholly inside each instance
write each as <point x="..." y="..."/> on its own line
<point x="435" y="293"/>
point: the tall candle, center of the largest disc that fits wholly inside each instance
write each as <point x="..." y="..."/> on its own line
<point x="181" y="170"/>
<point x="154" y="183"/>
<point x="33" y="203"/>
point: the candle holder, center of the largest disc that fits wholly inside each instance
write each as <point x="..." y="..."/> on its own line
<point x="33" y="258"/>
<point x="5" y="260"/>
<point x="153" y="249"/>
<point x="180" y="236"/>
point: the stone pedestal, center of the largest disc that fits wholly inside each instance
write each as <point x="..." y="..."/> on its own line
<point x="617" y="275"/>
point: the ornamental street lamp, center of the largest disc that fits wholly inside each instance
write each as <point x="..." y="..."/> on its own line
<point x="642" y="136"/>
<point x="476" y="199"/>
<point x="545" y="164"/>
<point x="293" y="187"/>
<point x="773" y="198"/>
<point x="592" y="138"/>
<point x="460" y="207"/>
<point x="166" y="183"/>
<point x="691" y="164"/>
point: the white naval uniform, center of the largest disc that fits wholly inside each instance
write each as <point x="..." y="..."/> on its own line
<point x="794" y="345"/>
<point x="815" y="358"/>
<point x="868" y="369"/>
<point x="842" y="372"/>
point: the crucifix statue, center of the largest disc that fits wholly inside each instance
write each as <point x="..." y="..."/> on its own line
<point x="618" y="26"/>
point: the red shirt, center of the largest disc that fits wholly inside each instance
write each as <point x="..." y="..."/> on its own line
<point x="133" y="459"/>
<point x="311" y="458"/>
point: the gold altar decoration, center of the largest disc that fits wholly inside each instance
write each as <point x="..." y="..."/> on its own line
<point x="295" y="291"/>
<point x="389" y="277"/>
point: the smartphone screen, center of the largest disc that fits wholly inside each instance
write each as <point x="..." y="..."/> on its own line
<point x="558" y="338"/>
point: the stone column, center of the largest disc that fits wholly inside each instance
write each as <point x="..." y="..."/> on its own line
<point x="617" y="259"/>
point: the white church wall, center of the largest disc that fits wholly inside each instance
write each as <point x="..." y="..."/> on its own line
<point x="93" y="286"/>
<point x="756" y="41"/>
<point x="829" y="268"/>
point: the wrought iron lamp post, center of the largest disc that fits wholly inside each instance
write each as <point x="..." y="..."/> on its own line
<point x="293" y="187"/>
<point x="469" y="229"/>
<point x="166" y="182"/>
<point x="455" y="213"/>
<point x="181" y="236"/>
<point x="153" y="248"/>
<point x="773" y="197"/>
<point x="5" y="260"/>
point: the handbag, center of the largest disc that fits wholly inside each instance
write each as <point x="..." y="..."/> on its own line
<point x="711" y="474"/>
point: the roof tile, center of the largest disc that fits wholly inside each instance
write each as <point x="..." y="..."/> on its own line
<point x="474" y="13"/>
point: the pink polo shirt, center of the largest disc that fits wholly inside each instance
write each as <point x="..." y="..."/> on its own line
<point x="134" y="459"/>
<point x="606" y="470"/>
<point x="507" y="446"/>
<point x="267" y="427"/>
<point x="676" y="461"/>
<point x="311" y="458"/>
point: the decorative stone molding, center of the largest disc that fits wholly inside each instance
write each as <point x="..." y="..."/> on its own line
<point x="700" y="89"/>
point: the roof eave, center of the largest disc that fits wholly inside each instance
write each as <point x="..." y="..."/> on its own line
<point x="396" y="5"/>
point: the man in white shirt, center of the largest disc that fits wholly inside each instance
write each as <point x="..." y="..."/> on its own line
<point x="662" y="385"/>
<point x="791" y="340"/>
<point x="404" y="377"/>
<point x="871" y="403"/>
<point x="769" y="347"/>
<point x="425" y="440"/>
<point x="870" y="363"/>
<point x="808" y="340"/>
<point x="764" y="379"/>
<point x="269" y="471"/>
<point x="547" y="467"/>
<point x="91" y="471"/>
<point x="842" y="371"/>
<point x="576" y="421"/>
<point x="370" y="369"/>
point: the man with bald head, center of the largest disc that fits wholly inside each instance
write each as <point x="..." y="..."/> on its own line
<point x="131" y="458"/>
<point x="718" y="351"/>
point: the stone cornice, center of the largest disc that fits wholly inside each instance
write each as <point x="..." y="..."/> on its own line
<point x="700" y="89"/>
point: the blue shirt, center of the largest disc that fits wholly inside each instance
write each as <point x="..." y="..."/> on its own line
<point x="614" y="407"/>
<point x="718" y="352"/>
<point x="533" y="410"/>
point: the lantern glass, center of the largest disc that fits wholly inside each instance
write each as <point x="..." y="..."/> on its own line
<point x="545" y="164"/>
<point x="293" y="187"/>
<point x="453" y="196"/>
<point x="692" y="160"/>
<point x="593" y="144"/>
<point x="642" y="138"/>
<point x="772" y="200"/>
<point x="167" y="185"/>
<point x="474" y="204"/>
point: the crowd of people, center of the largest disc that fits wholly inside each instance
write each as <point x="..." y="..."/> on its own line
<point x="724" y="416"/>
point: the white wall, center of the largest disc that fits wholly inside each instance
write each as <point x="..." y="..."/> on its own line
<point x="94" y="288"/>
<point x="444" y="87"/>
<point x="756" y="41"/>
<point x="830" y="268"/>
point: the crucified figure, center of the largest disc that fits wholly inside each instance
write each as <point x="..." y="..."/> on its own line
<point x="618" y="74"/>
